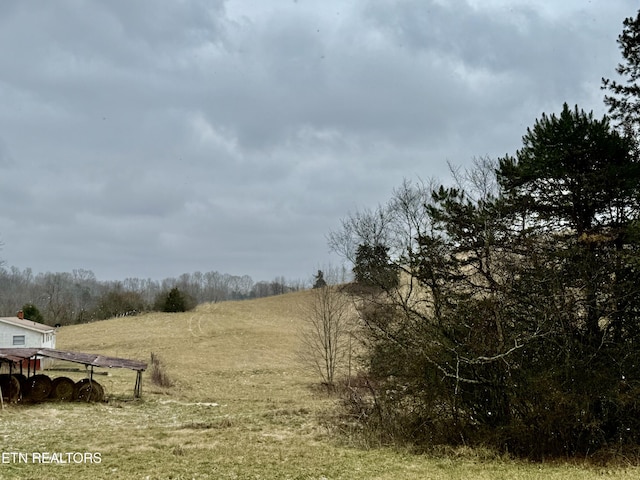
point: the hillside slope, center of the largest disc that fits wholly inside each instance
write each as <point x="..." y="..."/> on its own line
<point x="197" y="347"/>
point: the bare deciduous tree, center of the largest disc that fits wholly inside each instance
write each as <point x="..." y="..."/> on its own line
<point x="328" y="323"/>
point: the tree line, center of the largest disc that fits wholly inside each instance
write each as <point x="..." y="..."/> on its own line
<point x="79" y="297"/>
<point x="504" y="309"/>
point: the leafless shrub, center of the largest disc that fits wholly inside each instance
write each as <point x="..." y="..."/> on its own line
<point x="158" y="372"/>
<point x="326" y="333"/>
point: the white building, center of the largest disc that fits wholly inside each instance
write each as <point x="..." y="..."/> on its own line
<point x="16" y="332"/>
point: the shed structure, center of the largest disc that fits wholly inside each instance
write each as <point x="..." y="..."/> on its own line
<point x="16" y="358"/>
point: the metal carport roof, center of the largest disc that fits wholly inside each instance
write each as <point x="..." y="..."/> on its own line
<point x="96" y="360"/>
<point x="17" y="355"/>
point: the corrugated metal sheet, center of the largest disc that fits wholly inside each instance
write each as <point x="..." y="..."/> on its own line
<point x="16" y="355"/>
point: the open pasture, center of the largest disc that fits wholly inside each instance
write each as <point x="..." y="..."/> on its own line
<point x="240" y="408"/>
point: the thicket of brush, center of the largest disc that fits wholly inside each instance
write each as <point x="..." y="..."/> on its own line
<point x="504" y="311"/>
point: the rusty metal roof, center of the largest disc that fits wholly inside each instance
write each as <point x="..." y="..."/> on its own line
<point x="16" y="355"/>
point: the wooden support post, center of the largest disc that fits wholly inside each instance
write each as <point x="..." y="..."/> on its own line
<point x="137" y="390"/>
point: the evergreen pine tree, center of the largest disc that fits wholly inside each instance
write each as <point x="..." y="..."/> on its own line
<point x="319" y="280"/>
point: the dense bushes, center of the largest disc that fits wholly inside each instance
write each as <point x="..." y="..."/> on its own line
<point x="174" y="301"/>
<point x="513" y="320"/>
<point x="521" y="338"/>
<point x="118" y="302"/>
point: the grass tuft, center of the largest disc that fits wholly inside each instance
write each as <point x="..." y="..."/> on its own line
<point x="158" y="372"/>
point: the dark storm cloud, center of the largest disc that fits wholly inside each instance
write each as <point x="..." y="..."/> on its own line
<point x="153" y="138"/>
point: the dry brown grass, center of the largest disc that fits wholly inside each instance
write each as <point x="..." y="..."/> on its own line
<point x="240" y="408"/>
<point x="158" y="372"/>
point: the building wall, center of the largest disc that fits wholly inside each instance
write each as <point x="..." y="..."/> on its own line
<point x="48" y="340"/>
<point x="32" y="338"/>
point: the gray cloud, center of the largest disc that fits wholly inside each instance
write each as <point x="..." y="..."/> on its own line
<point x="146" y="139"/>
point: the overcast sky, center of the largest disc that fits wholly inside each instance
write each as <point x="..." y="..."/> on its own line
<point x="146" y="138"/>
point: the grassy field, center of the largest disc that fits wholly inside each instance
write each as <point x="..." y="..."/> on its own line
<point x="240" y="408"/>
